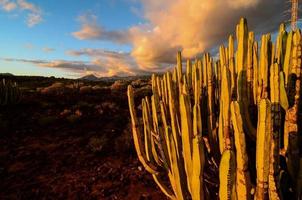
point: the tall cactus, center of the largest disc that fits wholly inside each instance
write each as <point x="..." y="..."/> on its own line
<point x="205" y="114"/>
<point x="243" y="182"/>
<point x="9" y="93"/>
<point x="263" y="148"/>
<point x="242" y="53"/>
<point x="292" y="114"/>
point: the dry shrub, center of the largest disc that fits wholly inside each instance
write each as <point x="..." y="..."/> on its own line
<point x="85" y="89"/>
<point x="119" y="85"/>
<point x="55" y="88"/>
<point x="123" y="144"/>
<point x="75" y="85"/>
<point x="97" y="144"/>
<point x="139" y="83"/>
<point x="96" y="88"/>
<point x="65" y="113"/>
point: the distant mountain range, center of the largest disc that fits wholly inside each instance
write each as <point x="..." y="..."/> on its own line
<point x="92" y="77"/>
<point x="89" y="77"/>
<point x="6" y="74"/>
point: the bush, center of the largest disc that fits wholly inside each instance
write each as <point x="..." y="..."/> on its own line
<point x="119" y="85"/>
<point x="98" y="143"/>
<point x="55" y="89"/>
<point x="85" y="89"/>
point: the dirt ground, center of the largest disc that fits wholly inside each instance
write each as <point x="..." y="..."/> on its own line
<point x="71" y="146"/>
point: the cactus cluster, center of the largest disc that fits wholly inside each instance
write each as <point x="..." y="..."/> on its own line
<point x="9" y="93"/>
<point x="233" y="124"/>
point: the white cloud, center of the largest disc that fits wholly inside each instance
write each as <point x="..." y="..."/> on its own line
<point x="33" y="19"/>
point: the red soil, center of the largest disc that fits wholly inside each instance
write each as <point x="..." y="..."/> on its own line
<point x="45" y="156"/>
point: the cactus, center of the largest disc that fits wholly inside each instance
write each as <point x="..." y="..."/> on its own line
<point x="263" y="148"/>
<point x="227" y="176"/>
<point x="292" y="114"/>
<point x="242" y="54"/>
<point x="9" y="93"/>
<point x="243" y="182"/>
<point x="276" y="131"/>
<point x="204" y="115"/>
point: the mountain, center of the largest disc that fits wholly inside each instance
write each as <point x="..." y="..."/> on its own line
<point x="92" y="77"/>
<point x="6" y="74"/>
<point x="89" y="77"/>
<point x="126" y="78"/>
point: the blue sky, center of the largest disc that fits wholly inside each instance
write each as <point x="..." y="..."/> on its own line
<point x="51" y="38"/>
<point x="72" y="38"/>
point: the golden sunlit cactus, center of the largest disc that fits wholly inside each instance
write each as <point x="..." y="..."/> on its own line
<point x="227" y="176"/>
<point x="250" y="68"/>
<point x="137" y="136"/>
<point x="263" y="147"/>
<point x="243" y="182"/>
<point x="276" y="131"/>
<point x="293" y="117"/>
<point x="207" y="114"/>
<point x="288" y="52"/>
<point x="224" y="118"/>
<point x="242" y="54"/>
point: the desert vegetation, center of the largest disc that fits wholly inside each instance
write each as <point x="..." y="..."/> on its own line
<point x="60" y="142"/>
<point x="227" y="128"/>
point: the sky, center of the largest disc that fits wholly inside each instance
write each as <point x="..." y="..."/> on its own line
<point x="73" y="38"/>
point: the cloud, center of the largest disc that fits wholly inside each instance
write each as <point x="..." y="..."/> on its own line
<point x="48" y="49"/>
<point x="77" y="68"/>
<point x="192" y="26"/>
<point x="90" y="30"/>
<point x="97" y="53"/>
<point x="116" y="63"/>
<point x="33" y="19"/>
<point x="99" y="65"/>
<point x="24" y="5"/>
<point x="195" y="26"/>
<point x="59" y="64"/>
<point x="29" y="46"/>
<point x="8" y="6"/>
<point x="34" y="13"/>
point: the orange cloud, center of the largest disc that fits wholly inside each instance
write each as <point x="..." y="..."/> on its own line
<point x="195" y="26"/>
<point x="8" y="6"/>
<point x="48" y="49"/>
<point x="92" y="31"/>
<point x="34" y="15"/>
<point x="192" y="26"/>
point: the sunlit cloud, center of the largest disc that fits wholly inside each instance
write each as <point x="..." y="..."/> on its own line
<point x="117" y="63"/>
<point x="192" y="26"/>
<point x="29" y="46"/>
<point x="7" y="5"/>
<point x="59" y="64"/>
<point x="97" y="53"/>
<point x="90" y="30"/>
<point x="48" y="49"/>
<point x="34" y="13"/>
<point x="33" y="19"/>
<point x="100" y="65"/>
